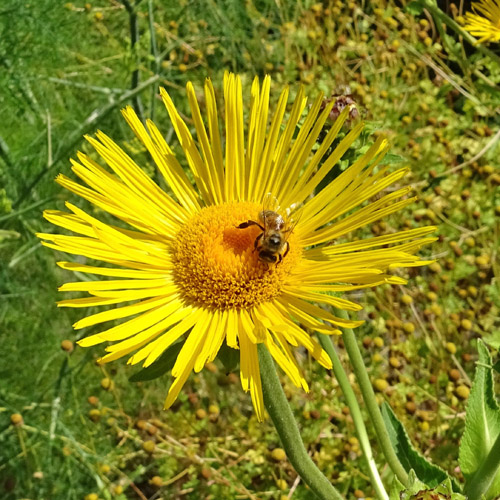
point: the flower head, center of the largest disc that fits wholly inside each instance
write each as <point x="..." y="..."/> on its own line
<point x="485" y="21"/>
<point x="218" y="258"/>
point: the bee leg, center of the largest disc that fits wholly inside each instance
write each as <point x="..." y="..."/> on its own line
<point x="256" y="242"/>
<point x="282" y="256"/>
<point x="249" y="223"/>
<point x="287" y="249"/>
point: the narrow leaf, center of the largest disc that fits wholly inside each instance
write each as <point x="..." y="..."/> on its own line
<point x="496" y="366"/>
<point x="8" y="235"/>
<point x="493" y="339"/>
<point x="230" y="357"/>
<point x="163" y="365"/>
<point x="396" y="489"/>
<point x="399" y="492"/>
<point x="410" y="458"/>
<point x="482" y="422"/>
<point x="414" y="8"/>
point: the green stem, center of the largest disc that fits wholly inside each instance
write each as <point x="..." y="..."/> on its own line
<point x="155" y="64"/>
<point x="352" y="402"/>
<point x="431" y="6"/>
<point x="482" y="480"/>
<point x="279" y="410"/>
<point x="134" y="40"/>
<point x="372" y="407"/>
<point x="39" y="203"/>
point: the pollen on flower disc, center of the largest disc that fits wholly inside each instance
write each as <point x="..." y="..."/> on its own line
<point x="216" y="264"/>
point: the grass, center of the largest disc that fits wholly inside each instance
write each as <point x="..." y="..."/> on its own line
<point x="87" y="429"/>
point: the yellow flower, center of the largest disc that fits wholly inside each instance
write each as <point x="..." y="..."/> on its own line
<point x="485" y="22"/>
<point x="186" y="267"/>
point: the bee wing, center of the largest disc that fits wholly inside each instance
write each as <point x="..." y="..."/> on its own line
<point x="270" y="205"/>
<point x="292" y="217"/>
<point x="294" y="211"/>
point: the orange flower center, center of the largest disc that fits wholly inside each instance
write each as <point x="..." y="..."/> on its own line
<point x="217" y="265"/>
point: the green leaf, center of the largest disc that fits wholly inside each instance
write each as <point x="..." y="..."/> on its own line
<point x="396" y="489"/>
<point x="482" y="422"/>
<point x="446" y="491"/>
<point x="414" y="8"/>
<point x="462" y="270"/>
<point x="493" y="339"/>
<point x="492" y="292"/>
<point x="417" y="490"/>
<point x="161" y="366"/>
<point x="230" y="357"/>
<point x="8" y="235"/>
<point x="446" y="488"/>
<point x="496" y="366"/>
<point x="399" y="492"/>
<point x="430" y="474"/>
<point x="392" y="159"/>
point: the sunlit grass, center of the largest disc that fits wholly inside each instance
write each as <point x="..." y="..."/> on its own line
<point x="439" y="112"/>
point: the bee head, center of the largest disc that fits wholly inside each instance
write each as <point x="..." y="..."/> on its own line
<point x="275" y="241"/>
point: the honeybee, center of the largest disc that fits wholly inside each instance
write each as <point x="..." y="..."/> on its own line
<point x="272" y="243"/>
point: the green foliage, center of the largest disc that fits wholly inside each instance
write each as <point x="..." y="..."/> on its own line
<point x="229" y="357"/>
<point x="65" y="62"/>
<point x="430" y="474"/>
<point x="415" y="8"/>
<point x="482" y="424"/>
<point x="493" y="340"/>
<point x="160" y="367"/>
<point x="420" y="491"/>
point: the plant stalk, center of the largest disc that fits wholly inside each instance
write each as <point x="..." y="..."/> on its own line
<point x="370" y="401"/>
<point x="279" y="410"/>
<point x="352" y="403"/>
<point x="155" y="64"/>
<point x="482" y="480"/>
<point x="134" y="39"/>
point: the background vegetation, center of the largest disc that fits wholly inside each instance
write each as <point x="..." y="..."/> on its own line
<point x="66" y="69"/>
